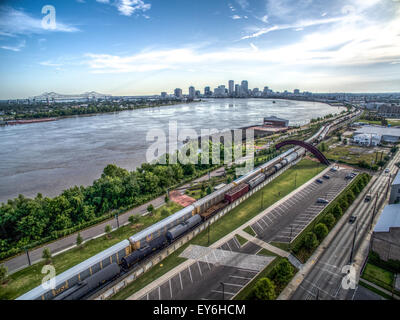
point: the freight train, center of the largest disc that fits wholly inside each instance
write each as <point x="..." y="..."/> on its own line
<point x="107" y="265"/>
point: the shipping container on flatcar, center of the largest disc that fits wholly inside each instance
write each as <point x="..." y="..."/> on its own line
<point x="237" y="192"/>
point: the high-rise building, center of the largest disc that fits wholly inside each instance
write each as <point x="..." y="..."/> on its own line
<point x="178" y="93"/>
<point x="231" y="87"/>
<point x="237" y="90"/>
<point x="207" y="91"/>
<point x="245" y="87"/>
<point x="164" y="95"/>
<point x="296" y="91"/>
<point x="192" y="92"/>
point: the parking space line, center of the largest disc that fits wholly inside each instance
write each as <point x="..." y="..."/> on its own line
<point x="208" y="264"/>
<point x="190" y="273"/>
<point x="235" y="241"/>
<point x="260" y="226"/>
<point x="227" y="243"/>
<point x="238" y="277"/>
<point x="263" y="222"/>
<point x="159" y="292"/>
<point x="225" y="292"/>
<point x="180" y="278"/>
<point x="266" y="216"/>
<point x="170" y="287"/>
<point x="201" y="273"/>
<point x="233" y="285"/>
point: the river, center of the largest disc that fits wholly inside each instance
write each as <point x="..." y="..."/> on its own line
<point x="50" y="157"/>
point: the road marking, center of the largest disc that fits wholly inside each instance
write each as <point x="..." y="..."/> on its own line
<point x="201" y="273"/>
<point x="229" y="293"/>
<point x="227" y="243"/>
<point x="170" y="287"/>
<point x="190" y="273"/>
<point x="238" y="277"/>
<point x="180" y="278"/>
<point x="159" y="293"/>
<point x="234" y="285"/>
<point x="235" y="241"/>
<point x="260" y="226"/>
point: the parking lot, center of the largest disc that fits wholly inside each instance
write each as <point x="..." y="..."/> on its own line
<point x="215" y="274"/>
<point x="285" y="222"/>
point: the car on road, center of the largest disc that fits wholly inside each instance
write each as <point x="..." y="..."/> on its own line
<point x="319" y="181"/>
<point x="349" y="177"/>
<point x="387" y="171"/>
<point x="352" y="219"/>
<point x="333" y="169"/>
<point x="321" y="200"/>
<point x="326" y="177"/>
<point x="368" y="198"/>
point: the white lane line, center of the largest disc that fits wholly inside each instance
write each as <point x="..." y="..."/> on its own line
<point x="234" y="285"/>
<point x="190" y="273"/>
<point x="238" y="277"/>
<point x="201" y="273"/>
<point x="180" y="278"/>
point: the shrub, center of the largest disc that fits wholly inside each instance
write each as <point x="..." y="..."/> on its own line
<point x="133" y="219"/>
<point x="337" y="212"/>
<point x="150" y="209"/>
<point x="329" y="220"/>
<point x="108" y="230"/>
<point x="321" y="230"/>
<point x="46" y="255"/>
<point x="3" y="274"/>
<point x="164" y="213"/>
<point x="79" y="240"/>
<point x="264" y="290"/>
<point x="311" y="241"/>
<point x="283" y="272"/>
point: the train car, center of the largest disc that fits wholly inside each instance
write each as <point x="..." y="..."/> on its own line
<point x="88" y="285"/>
<point x="210" y="212"/>
<point x="257" y="180"/>
<point x="212" y="199"/>
<point x="136" y="256"/>
<point x="80" y="272"/>
<point x="181" y="229"/>
<point x="278" y="167"/>
<point x="160" y="228"/>
<point x="237" y="192"/>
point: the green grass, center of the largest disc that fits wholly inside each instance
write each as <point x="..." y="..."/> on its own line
<point x="306" y="169"/>
<point x="281" y="245"/>
<point x="241" y="240"/>
<point x="250" y="231"/>
<point x="391" y="122"/>
<point x="349" y="154"/>
<point x="379" y="276"/>
<point x="29" y="278"/>
<point x="265" y="252"/>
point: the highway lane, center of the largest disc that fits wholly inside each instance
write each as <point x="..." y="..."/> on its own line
<point x="324" y="281"/>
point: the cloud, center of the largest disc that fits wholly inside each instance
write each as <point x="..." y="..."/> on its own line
<point x="16" y="48"/>
<point x="244" y="4"/>
<point x="50" y="64"/>
<point x="16" y="22"/>
<point x="236" y="17"/>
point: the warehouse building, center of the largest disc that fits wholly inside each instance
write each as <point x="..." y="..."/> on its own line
<point x="386" y="236"/>
<point x="395" y="190"/>
<point x="390" y="135"/>
<point x="275" y="122"/>
<point x="365" y="139"/>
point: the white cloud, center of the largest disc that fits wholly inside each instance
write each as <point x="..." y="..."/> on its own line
<point x="244" y="4"/>
<point x="50" y="64"/>
<point x="15" y="48"/>
<point x="128" y="7"/>
<point x="236" y="17"/>
<point x="15" y="22"/>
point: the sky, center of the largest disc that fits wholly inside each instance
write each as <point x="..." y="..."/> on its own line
<point x="141" y="47"/>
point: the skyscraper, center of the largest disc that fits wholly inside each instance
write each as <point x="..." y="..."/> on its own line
<point x="245" y="87"/>
<point x="207" y="91"/>
<point x="192" y="92"/>
<point x="178" y="93"/>
<point x="237" y="90"/>
<point x="231" y="87"/>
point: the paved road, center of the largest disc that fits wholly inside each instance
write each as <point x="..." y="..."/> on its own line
<point x="324" y="281"/>
<point x="58" y="246"/>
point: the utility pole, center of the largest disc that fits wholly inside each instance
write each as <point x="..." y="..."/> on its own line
<point x="354" y="242"/>
<point x="208" y="233"/>
<point x="27" y="254"/>
<point x="116" y="218"/>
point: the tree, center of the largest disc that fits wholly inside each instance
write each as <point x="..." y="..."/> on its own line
<point x="321" y="230"/>
<point x="166" y="199"/>
<point x="329" y="220"/>
<point x="264" y="290"/>
<point x="108" y="230"/>
<point x="150" y="209"/>
<point x="3" y="273"/>
<point x="350" y="197"/>
<point x="209" y="190"/>
<point x="284" y="272"/>
<point x="133" y="219"/>
<point x="310" y="241"/>
<point x="46" y="255"/>
<point x="79" y="240"/>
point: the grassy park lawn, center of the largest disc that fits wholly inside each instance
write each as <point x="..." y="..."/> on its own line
<point x="393" y="123"/>
<point x="265" y="252"/>
<point x="29" y="278"/>
<point x="379" y="276"/>
<point x="250" y="231"/>
<point x="276" y="190"/>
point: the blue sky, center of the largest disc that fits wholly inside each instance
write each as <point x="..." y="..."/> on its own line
<point x="134" y="47"/>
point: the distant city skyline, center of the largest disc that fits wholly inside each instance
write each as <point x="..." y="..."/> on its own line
<point x="145" y="47"/>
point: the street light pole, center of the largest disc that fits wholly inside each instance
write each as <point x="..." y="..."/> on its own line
<point x="116" y="218"/>
<point x="223" y="290"/>
<point x="29" y="259"/>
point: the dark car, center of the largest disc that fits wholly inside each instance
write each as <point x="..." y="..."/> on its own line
<point x="327" y="177"/>
<point x="349" y="177"/>
<point x="352" y="219"/>
<point x="323" y="201"/>
<point x="368" y="198"/>
<point x="319" y="181"/>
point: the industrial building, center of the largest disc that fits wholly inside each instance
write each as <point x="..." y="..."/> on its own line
<point x="395" y="190"/>
<point x="366" y="139"/>
<point x="390" y="135"/>
<point x="275" y="122"/>
<point x="386" y="235"/>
